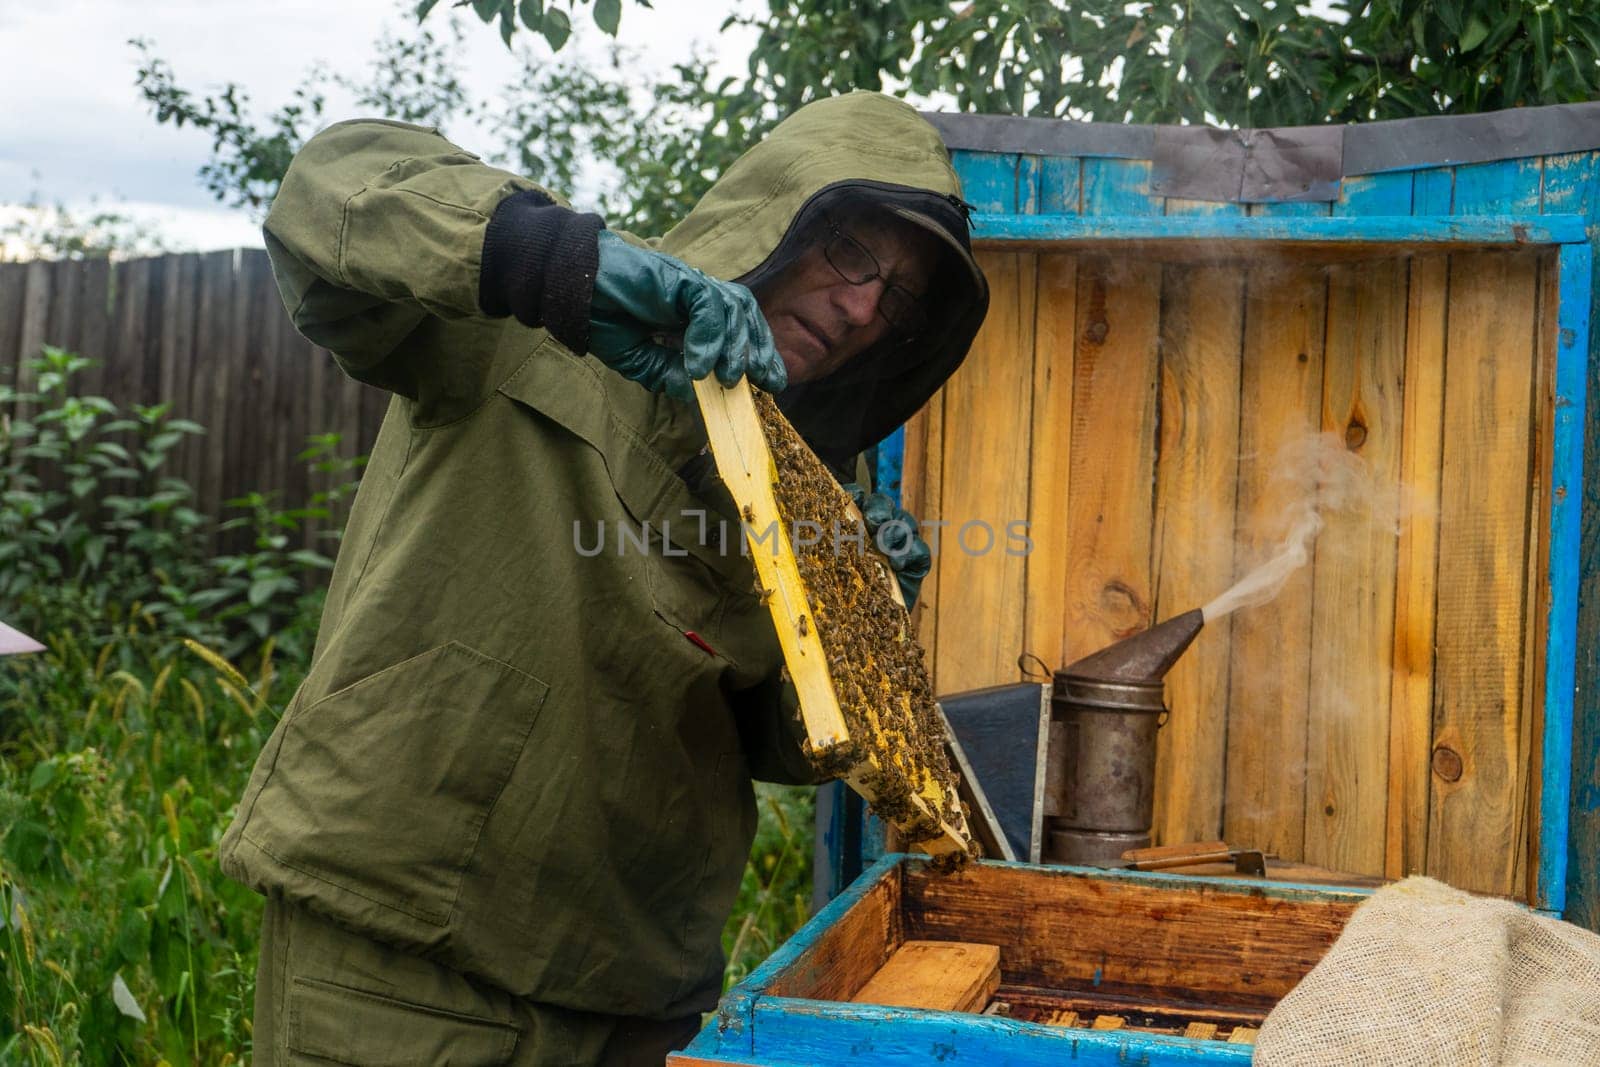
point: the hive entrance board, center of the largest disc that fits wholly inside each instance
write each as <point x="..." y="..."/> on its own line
<point x="864" y="692"/>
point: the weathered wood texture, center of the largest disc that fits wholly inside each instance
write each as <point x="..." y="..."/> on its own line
<point x="1202" y="329"/>
<point x="974" y="555"/>
<point x="207" y="334"/>
<point x="1483" y="544"/>
<point x="1187" y="941"/>
<point x="851" y="951"/>
<point x="937" y="975"/>
<point x="1132" y="411"/>
<point x="1572" y="185"/>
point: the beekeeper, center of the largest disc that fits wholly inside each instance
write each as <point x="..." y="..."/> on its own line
<point x="506" y="815"/>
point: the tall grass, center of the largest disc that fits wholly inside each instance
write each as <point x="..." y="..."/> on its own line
<point x="125" y="745"/>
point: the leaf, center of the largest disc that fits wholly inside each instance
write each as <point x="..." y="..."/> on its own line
<point x="607" y="14"/>
<point x="532" y="14"/>
<point x="1449" y="13"/>
<point x="122" y="996"/>
<point x="1474" y="34"/>
<point x="425" y="6"/>
<point x="262" y="589"/>
<point x="1541" y="31"/>
<point x="556" y="28"/>
<point x="43" y="774"/>
<point x="487" y="9"/>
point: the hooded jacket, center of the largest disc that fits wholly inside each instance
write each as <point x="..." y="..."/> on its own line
<point x="543" y="679"/>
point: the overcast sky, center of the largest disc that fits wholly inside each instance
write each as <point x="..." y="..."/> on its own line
<point x="74" y="129"/>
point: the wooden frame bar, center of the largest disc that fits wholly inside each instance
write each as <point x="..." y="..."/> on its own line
<point x="1011" y="229"/>
<point x="1575" y="279"/>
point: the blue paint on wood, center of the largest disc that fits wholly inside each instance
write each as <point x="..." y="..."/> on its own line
<point x="1566" y="506"/>
<point x="988" y="180"/>
<point x="1173" y="206"/>
<point x="1290" y="209"/>
<point x="1376" y="194"/>
<point x="788" y="954"/>
<point x="1572" y="186"/>
<point x="1508" y="187"/>
<point x="1029" y="174"/>
<point x="1061" y="185"/>
<point x="1569" y="185"/>
<point x="891" y="458"/>
<point x="1486" y="229"/>
<point x="874" y="837"/>
<point x="754" y="1026"/>
<point x="836" y="853"/>
<point x="1118" y="187"/>
<point x="795" y="1031"/>
<point x="1432" y="191"/>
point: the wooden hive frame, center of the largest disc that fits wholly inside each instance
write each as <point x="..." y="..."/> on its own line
<point x="744" y="460"/>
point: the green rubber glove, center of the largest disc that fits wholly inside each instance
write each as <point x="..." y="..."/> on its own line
<point x="908" y="554"/>
<point x="643" y="298"/>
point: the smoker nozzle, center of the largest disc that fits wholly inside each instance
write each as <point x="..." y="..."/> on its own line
<point x="1145" y="657"/>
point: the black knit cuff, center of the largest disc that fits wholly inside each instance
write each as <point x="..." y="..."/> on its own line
<point x="538" y="263"/>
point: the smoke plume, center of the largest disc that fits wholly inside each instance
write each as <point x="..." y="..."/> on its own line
<point x="1318" y="475"/>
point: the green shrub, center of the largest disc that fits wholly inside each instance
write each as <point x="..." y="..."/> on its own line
<point x="125" y="745"/>
<point x="123" y="942"/>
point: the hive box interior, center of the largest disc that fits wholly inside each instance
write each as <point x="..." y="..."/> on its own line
<point x="1157" y="950"/>
<point x="1381" y="717"/>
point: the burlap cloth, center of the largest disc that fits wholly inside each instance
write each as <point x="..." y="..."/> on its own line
<point x="1427" y="974"/>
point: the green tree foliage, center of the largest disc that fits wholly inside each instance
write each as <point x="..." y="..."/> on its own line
<point x="1232" y="62"/>
<point x="36" y="230"/>
<point x="642" y="151"/>
<point x="618" y="146"/>
<point x="549" y="20"/>
<point x="1253" y="62"/>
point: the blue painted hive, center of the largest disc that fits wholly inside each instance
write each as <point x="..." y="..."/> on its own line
<point x="1162" y="954"/>
<point x="1170" y="306"/>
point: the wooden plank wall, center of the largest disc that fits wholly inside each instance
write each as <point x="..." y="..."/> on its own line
<point x="1379" y="716"/>
<point x="207" y="333"/>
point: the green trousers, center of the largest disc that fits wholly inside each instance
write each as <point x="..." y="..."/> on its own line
<point x="325" y="995"/>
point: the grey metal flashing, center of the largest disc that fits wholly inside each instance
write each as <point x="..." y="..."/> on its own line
<point x="1247" y="166"/>
<point x="1288" y="162"/>
<point x="1447" y="140"/>
<point x="1043" y="137"/>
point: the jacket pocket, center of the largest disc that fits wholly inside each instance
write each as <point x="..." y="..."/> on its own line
<point x="333" y="1023"/>
<point x="381" y="789"/>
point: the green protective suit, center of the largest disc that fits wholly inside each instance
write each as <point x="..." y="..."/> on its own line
<point x="516" y="757"/>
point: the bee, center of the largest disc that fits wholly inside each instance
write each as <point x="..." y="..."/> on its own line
<point x="805" y="627"/>
<point x="749" y="513"/>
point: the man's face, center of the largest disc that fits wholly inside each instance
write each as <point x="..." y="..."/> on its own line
<point x="819" y="320"/>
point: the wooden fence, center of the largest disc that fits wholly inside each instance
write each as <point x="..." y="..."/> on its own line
<point x="207" y="333"/>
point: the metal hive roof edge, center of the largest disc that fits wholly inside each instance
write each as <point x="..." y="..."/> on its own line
<point x="1285" y="163"/>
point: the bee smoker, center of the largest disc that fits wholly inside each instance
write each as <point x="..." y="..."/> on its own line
<point x="1100" y="772"/>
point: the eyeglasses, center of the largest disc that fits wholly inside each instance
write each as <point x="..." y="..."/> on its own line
<point x="898" y="306"/>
